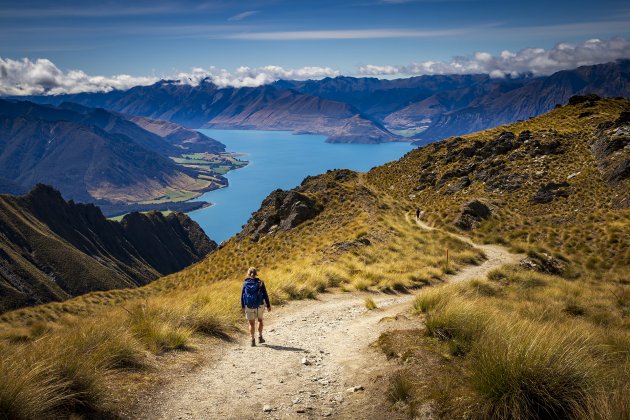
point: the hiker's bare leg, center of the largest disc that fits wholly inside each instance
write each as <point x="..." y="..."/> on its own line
<point x="260" y="327"/>
<point x="252" y="327"/>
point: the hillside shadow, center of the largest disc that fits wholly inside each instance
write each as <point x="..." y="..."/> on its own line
<point x="282" y="348"/>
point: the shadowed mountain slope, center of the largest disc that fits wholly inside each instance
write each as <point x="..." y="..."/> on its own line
<point x="92" y="154"/>
<point x="51" y="250"/>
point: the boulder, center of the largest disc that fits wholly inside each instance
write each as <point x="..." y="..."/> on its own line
<point x="351" y="245"/>
<point x="588" y="100"/>
<point x="611" y="149"/>
<point x="543" y="147"/>
<point x="455" y="173"/>
<point x="503" y="143"/>
<point x="281" y="210"/>
<point x="472" y="214"/>
<point x="458" y="185"/>
<point x="544" y="263"/>
<point x="550" y="191"/>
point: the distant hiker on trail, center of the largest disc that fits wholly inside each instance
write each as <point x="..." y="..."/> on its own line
<point x="417" y="213"/>
<point x="253" y="295"/>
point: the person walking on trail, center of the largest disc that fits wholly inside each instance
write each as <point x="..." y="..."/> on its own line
<point x="417" y="213"/>
<point x="254" y="298"/>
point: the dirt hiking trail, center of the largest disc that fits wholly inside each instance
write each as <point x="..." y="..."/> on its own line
<point x="317" y="361"/>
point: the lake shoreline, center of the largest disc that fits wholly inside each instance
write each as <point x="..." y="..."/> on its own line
<point x="278" y="159"/>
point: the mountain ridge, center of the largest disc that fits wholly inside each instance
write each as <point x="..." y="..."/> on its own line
<point x="94" y="155"/>
<point x="265" y="107"/>
<point x="51" y="250"/>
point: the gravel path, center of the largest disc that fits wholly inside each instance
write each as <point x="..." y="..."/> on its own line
<point x="315" y="363"/>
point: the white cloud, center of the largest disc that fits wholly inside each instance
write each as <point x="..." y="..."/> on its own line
<point x="254" y="76"/>
<point x="43" y="77"/>
<point x="243" y="15"/>
<point x="538" y="61"/>
<point x="372" y="70"/>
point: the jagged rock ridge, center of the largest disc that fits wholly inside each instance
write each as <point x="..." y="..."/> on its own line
<point x="51" y="250"/>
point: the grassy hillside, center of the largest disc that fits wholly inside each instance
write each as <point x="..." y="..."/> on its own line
<point x="547" y="342"/>
<point x="349" y="244"/>
<point x="353" y="232"/>
<point x="585" y="221"/>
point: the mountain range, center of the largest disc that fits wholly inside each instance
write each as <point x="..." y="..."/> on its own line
<point x="265" y="107"/>
<point x="51" y="250"/>
<point x="364" y="110"/>
<point x="94" y="155"/>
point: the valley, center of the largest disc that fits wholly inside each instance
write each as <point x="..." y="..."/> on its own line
<point x="121" y="163"/>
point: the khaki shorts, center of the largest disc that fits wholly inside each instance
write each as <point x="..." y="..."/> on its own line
<point x="253" y="313"/>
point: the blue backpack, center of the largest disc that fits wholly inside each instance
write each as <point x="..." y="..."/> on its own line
<point x="253" y="295"/>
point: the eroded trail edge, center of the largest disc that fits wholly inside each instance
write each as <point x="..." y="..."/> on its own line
<point x="314" y="364"/>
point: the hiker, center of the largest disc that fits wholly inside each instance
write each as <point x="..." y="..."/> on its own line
<point x="417" y="213"/>
<point x="253" y="295"/>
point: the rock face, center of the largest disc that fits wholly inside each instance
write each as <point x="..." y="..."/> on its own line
<point x="611" y="149"/>
<point x="281" y="210"/>
<point x="549" y="192"/>
<point x="473" y="212"/>
<point x="544" y="263"/>
<point x="51" y="250"/>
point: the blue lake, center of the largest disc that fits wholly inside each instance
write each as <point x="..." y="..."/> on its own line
<point x="278" y="159"/>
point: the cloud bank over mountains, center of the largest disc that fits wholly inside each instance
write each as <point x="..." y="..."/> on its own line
<point x="42" y="76"/>
<point x="537" y="61"/>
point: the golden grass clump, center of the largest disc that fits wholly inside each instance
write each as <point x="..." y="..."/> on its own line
<point x="370" y="304"/>
<point x="523" y="345"/>
<point x="523" y="370"/>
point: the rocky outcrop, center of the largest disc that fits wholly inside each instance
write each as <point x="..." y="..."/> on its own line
<point x="473" y="213"/>
<point x="346" y="246"/>
<point x="611" y="149"/>
<point x="280" y="211"/>
<point x="458" y="186"/>
<point x="544" y="263"/>
<point x="51" y="250"/>
<point x="550" y="191"/>
<point x="318" y="183"/>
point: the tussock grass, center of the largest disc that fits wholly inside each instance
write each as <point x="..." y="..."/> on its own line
<point x="460" y="322"/>
<point x="432" y="298"/>
<point x="369" y="303"/>
<point x="28" y="391"/>
<point x="525" y="345"/>
<point x="400" y="388"/>
<point x="524" y="370"/>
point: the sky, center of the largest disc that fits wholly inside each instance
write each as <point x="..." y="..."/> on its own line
<point x="78" y="45"/>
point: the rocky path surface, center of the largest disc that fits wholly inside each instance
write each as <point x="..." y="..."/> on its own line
<point x="316" y="363"/>
<point x="496" y="256"/>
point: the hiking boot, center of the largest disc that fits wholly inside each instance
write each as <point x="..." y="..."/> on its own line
<point x="253" y="343"/>
<point x="261" y="340"/>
